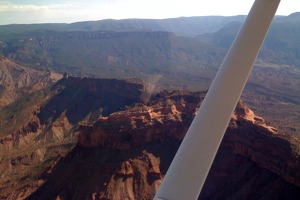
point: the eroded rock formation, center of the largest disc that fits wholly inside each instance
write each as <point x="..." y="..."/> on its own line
<point x="17" y="81"/>
<point x="40" y="128"/>
<point x="126" y="154"/>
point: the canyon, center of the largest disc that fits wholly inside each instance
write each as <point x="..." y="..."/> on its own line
<point x="97" y="110"/>
<point x="124" y="150"/>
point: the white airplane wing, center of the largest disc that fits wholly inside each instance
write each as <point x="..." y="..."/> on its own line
<point x="193" y="160"/>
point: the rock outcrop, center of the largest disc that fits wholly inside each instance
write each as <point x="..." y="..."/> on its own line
<point x="126" y="154"/>
<point x="17" y="81"/>
<point x="126" y="142"/>
<point x="37" y="130"/>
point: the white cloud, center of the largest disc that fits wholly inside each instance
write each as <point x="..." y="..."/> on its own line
<point x="34" y="11"/>
<point x="11" y="7"/>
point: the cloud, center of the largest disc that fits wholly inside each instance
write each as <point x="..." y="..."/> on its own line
<point x="44" y="11"/>
<point x="13" y="7"/>
<point x="56" y="11"/>
<point x="34" y="13"/>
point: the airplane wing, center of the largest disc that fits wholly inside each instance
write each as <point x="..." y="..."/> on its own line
<point x="191" y="164"/>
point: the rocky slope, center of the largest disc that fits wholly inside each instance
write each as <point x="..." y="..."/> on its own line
<point x="16" y="81"/>
<point x="109" y="54"/>
<point x="126" y="154"/>
<point x="126" y="141"/>
<point x="37" y="130"/>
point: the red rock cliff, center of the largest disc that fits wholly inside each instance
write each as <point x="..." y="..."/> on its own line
<point x="125" y="156"/>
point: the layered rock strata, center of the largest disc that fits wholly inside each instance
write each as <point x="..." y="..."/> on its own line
<point x="126" y="155"/>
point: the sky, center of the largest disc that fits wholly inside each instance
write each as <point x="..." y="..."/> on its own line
<point x="68" y="11"/>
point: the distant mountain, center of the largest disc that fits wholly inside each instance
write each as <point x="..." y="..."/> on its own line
<point x="183" y="26"/>
<point x="144" y="44"/>
<point x="125" y="127"/>
<point x="282" y="44"/>
<point x="164" y="59"/>
<point x="116" y="54"/>
<point x="292" y="17"/>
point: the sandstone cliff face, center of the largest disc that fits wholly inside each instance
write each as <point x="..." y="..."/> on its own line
<point x="254" y="162"/>
<point x="126" y="141"/>
<point x="126" y="154"/>
<point x="257" y="133"/>
<point x="40" y="128"/>
<point x="134" y="127"/>
<point x="59" y="108"/>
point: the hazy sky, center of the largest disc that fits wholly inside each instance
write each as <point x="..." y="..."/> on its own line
<point x="41" y="11"/>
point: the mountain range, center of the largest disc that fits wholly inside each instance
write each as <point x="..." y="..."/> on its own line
<point x="155" y="51"/>
<point x="103" y="106"/>
<point x="142" y="46"/>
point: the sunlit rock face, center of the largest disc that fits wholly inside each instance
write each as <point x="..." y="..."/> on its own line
<point x="41" y="127"/>
<point x="16" y="81"/>
<point x="127" y="139"/>
<point x="126" y="154"/>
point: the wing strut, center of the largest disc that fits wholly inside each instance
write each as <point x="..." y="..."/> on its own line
<point x="191" y="164"/>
